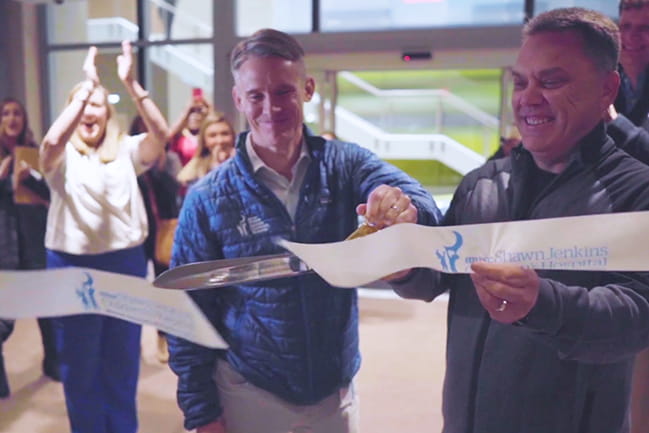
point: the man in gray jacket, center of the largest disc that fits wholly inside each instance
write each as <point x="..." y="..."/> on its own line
<point x="547" y="351"/>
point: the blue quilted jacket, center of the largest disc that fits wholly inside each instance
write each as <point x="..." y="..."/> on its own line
<point x="294" y="337"/>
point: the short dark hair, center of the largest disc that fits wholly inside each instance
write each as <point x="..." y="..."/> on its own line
<point x="600" y="35"/>
<point x="266" y="43"/>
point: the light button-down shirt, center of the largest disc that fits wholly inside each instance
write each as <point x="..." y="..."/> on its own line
<point x="288" y="192"/>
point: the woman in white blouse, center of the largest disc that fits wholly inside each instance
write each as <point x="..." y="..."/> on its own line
<point x="97" y="220"/>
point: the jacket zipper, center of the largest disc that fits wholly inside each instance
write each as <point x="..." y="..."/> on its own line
<point x="303" y="302"/>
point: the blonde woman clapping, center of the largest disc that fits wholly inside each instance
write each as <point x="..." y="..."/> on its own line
<point x="97" y="220"/>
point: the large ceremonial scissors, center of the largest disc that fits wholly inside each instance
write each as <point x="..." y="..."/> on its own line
<point x="227" y="272"/>
<point x="221" y="273"/>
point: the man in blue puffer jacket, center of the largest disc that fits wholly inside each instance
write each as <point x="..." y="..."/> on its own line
<point x="293" y="341"/>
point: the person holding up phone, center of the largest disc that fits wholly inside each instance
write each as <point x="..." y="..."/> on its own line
<point x="183" y="137"/>
<point x="215" y="145"/>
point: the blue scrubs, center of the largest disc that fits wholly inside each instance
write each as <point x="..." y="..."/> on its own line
<point x="99" y="356"/>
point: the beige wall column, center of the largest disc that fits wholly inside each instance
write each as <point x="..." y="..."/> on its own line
<point x="33" y="80"/>
<point x="20" y="55"/>
<point x="224" y="40"/>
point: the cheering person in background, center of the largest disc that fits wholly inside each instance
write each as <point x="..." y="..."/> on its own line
<point x="215" y="146"/>
<point x="183" y="137"/>
<point x="97" y="220"/>
<point x="23" y="214"/>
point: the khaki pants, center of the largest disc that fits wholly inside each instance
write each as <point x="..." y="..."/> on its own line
<point x="248" y="409"/>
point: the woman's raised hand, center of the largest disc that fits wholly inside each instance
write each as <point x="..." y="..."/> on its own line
<point x="89" y="67"/>
<point x="125" y="63"/>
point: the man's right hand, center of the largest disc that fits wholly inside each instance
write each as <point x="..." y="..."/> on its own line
<point x="217" y="426"/>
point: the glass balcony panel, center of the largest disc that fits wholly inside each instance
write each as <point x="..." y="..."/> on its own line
<point x="607" y="7"/>
<point x="290" y="16"/>
<point x="92" y="21"/>
<point x="180" y="19"/>
<point x="345" y="15"/>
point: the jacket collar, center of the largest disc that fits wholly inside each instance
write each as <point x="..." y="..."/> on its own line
<point x="315" y="146"/>
<point x="588" y="150"/>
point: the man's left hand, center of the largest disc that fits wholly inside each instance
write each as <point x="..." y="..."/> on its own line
<point x="507" y="292"/>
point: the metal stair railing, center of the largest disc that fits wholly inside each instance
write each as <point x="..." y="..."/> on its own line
<point x="453" y="100"/>
<point x="386" y="145"/>
<point x="111" y="29"/>
<point x="436" y="146"/>
<point x="197" y="28"/>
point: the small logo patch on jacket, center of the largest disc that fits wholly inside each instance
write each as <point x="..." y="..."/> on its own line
<point x="252" y="226"/>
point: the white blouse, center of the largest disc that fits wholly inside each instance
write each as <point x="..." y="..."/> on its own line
<point x="96" y="207"/>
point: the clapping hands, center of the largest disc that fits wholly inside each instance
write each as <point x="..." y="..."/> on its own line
<point x="125" y="63"/>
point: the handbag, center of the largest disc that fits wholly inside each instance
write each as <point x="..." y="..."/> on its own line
<point x="165" y="228"/>
<point x="164" y="240"/>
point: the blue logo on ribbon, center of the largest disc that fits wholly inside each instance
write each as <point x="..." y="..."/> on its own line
<point x="87" y="293"/>
<point x="448" y="256"/>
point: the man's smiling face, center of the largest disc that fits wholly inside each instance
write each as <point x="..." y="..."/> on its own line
<point x="271" y="92"/>
<point x="634" y="33"/>
<point x="559" y="94"/>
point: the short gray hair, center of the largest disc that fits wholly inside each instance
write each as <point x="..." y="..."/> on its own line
<point x="266" y="43"/>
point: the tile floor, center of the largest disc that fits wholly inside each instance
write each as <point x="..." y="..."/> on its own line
<point x="399" y="383"/>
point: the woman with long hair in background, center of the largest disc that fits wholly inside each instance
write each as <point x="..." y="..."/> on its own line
<point x="22" y="220"/>
<point x="215" y="146"/>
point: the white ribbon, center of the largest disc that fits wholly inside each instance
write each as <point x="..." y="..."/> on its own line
<point x="608" y="242"/>
<point x="66" y="291"/>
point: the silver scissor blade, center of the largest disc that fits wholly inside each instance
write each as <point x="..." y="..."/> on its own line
<point x="220" y="273"/>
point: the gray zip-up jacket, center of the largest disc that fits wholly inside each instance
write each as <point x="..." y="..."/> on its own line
<point x="565" y="368"/>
